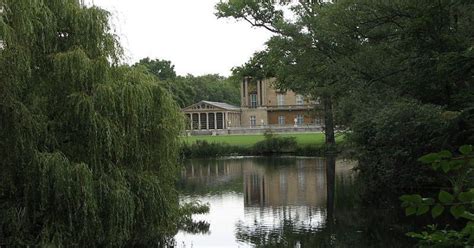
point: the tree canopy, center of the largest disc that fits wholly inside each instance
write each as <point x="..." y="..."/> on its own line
<point x="189" y="89"/>
<point x="163" y="69"/>
<point x="88" y="147"/>
<point x="378" y="63"/>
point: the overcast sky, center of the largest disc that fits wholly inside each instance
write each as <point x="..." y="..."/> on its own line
<point x="186" y="32"/>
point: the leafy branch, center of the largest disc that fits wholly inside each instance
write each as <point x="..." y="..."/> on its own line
<point x="460" y="202"/>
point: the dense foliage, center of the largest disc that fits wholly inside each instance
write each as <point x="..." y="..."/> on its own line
<point x="455" y="201"/>
<point x="88" y="148"/>
<point x="399" y="74"/>
<point x="275" y="144"/>
<point x="187" y="90"/>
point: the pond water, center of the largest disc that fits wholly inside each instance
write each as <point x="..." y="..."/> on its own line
<point x="283" y="202"/>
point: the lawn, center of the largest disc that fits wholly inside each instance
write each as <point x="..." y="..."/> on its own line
<point x="249" y="140"/>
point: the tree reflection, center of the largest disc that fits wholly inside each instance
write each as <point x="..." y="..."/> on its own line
<point x="293" y="202"/>
<point x="344" y="222"/>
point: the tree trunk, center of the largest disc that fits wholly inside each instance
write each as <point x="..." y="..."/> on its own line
<point x="329" y="123"/>
<point x="330" y="187"/>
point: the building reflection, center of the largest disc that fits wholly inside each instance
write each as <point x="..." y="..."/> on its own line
<point x="210" y="176"/>
<point x="292" y="182"/>
<point x="276" y="200"/>
<point x="303" y="184"/>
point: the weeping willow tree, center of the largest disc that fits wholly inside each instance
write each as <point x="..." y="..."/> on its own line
<point x="88" y="148"/>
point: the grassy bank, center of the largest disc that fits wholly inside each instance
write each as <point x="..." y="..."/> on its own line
<point x="302" y="139"/>
<point x="305" y="144"/>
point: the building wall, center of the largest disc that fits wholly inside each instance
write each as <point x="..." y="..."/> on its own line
<point x="266" y="93"/>
<point x="309" y="118"/>
<point x="259" y="113"/>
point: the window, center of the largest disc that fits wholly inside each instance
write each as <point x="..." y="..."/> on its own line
<point x="299" y="99"/>
<point x="299" y="120"/>
<point x="253" y="121"/>
<point x="280" y="99"/>
<point x="318" y="121"/>
<point x="253" y="100"/>
<point x="281" y="120"/>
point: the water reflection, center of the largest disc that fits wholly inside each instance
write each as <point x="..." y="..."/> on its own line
<point x="279" y="202"/>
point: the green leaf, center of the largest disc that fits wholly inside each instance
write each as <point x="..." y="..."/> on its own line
<point x="423" y="209"/>
<point x="437" y="211"/>
<point x="406" y="204"/>
<point x="405" y="198"/>
<point x="411" y="198"/>
<point x="410" y="210"/>
<point x="467" y="215"/>
<point x="429" y="158"/>
<point x="457" y="210"/>
<point x="445" y="166"/>
<point x="445" y="154"/>
<point x="466" y="196"/>
<point x="445" y="197"/>
<point x="428" y="201"/>
<point x="465" y="149"/>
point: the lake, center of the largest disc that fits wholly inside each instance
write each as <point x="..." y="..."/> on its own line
<point x="283" y="202"/>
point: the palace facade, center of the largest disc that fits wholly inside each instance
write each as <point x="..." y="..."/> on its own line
<point x="262" y="107"/>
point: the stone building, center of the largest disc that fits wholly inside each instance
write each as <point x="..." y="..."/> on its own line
<point x="262" y="107"/>
<point x="207" y="115"/>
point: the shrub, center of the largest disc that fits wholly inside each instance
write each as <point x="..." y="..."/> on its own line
<point x="275" y="144"/>
<point x="387" y="142"/>
<point x="205" y="149"/>
<point x="455" y="201"/>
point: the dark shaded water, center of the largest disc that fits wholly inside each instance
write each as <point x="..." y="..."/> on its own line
<point x="284" y="202"/>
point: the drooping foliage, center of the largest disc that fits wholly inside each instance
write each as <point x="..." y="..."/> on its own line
<point x="88" y="147"/>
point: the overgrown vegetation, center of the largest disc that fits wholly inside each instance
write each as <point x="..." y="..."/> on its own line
<point x="274" y="144"/>
<point x="88" y="148"/>
<point x="398" y="75"/>
<point x="458" y="198"/>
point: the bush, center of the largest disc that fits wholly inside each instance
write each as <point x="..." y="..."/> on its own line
<point x="204" y="149"/>
<point x="387" y="142"/>
<point x="273" y="144"/>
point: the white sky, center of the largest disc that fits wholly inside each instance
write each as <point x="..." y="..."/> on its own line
<point x="186" y="32"/>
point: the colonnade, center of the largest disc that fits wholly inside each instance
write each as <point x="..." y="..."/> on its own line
<point x="212" y="120"/>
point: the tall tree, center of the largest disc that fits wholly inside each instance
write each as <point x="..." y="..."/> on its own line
<point x="163" y="69"/>
<point x="88" y="147"/>
<point x="300" y="54"/>
<point x="396" y="72"/>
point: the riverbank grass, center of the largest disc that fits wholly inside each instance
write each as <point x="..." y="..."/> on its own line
<point x="302" y="139"/>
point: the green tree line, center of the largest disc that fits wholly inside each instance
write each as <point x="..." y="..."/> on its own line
<point x="189" y="89"/>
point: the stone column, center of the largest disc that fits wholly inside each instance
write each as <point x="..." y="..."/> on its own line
<point x="264" y="92"/>
<point x="215" y="120"/>
<point x="192" y="121"/>
<point x="223" y="120"/>
<point x="242" y="95"/>
<point x="207" y="121"/>
<point x="199" y="121"/>
<point x="258" y="93"/>
<point x="246" y="92"/>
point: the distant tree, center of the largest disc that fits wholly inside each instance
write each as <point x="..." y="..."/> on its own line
<point x="163" y="69"/>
